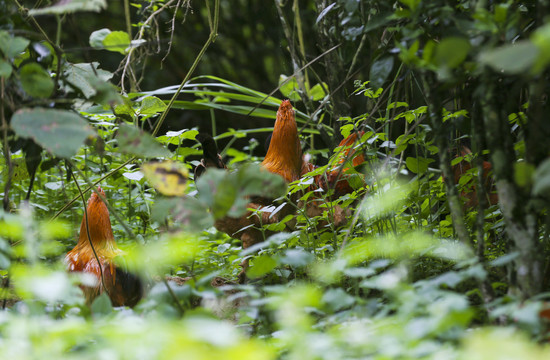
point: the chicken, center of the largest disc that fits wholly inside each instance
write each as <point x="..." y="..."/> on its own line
<point x="336" y="179"/>
<point x="468" y="192"/>
<point x="96" y="234"/>
<point x="284" y="157"/>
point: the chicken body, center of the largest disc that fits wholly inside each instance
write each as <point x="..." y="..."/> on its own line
<point x="123" y="288"/>
<point x="469" y="192"/>
<point x="336" y="179"/>
<point x="284" y="157"/>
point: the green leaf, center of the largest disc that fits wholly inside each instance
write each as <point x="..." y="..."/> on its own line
<point x="132" y="140"/>
<point x="228" y="193"/>
<point x="117" y="41"/>
<point x="541" y="179"/>
<point x="97" y="37"/>
<point x="89" y="79"/>
<point x="5" y="69"/>
<point x="297" y="258"/>
<point x="513" y="59"/>
<point x="337" y="299"/>
<point x="418" y="165"/>
<point x="380" y="70"/>
<point x="451" y="52"/>
<point x="217" y="191"/>
<point x="71" y="6"/>
<point x="60" y="132"/>
<point x="317" y="92"/>
<point x="152" y="105"/>
<point x="261" y="266"/>
<point x="289" y="88"/>
<point x="523" y="174"/>
<point x="36" y="81"/>
<point x="12" y="46"/>
<point x="102" y="305"/>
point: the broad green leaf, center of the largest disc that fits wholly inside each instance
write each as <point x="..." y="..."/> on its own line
<point x="133" y="141"/>
<point x="117" y="41"/>
<point x="412" y="4"/>
<point x="228" y="193"/>
<point x="217" y="191"/>
<point x="297" y="258"/>
<point x="12" y="46"/>
<point x="97" y="37"/>
<point x="61" y="132"/>
<point x="168" y="177"/>
<point x="192" y="213"/>
<point x="514" y="59"/>
<point x="289" y="88"/>
<point x="523" y="174"/>
<point x="380" y="70"/>
<point x="418" y="165"/>
<point x="337" y="299"/>
<point x="541" y="39"/>
<point x="71" y="6"/>
<point x="102" y="305"/>
<point x="261" y="265"/>
<point x="317" y="92"/>
<point x="152" y="105"/>
<point x="451" y="52"/>
<point x="541" y="179"/>
<point x="36" y="81"/>
<point x="5" y="69"/>
<point x="88" y="78"/>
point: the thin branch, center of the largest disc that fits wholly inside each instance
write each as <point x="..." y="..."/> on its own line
<point x="211" y="38"/>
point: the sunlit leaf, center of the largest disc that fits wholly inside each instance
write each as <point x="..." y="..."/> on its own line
<point x="135" y="176"/>
<point x="167" y="177"/>
<point x="117" y="41"/>
<point x="289" y="88"/>
<point x="70" y="6"/>
<point x="152" y="105"/>
<point x="261" y="265"/>
<point x="97" y="37"/>
<point x="317" y="92"/>
<point x="418" y="165"/>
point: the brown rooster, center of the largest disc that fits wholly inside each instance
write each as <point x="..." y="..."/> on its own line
<point x="284" y="157"/>
<point x="468" y="192"/>
<point x="96" y="234"/>
<point x="336" y="179"/>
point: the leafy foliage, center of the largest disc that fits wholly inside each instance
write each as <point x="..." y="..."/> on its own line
<point x="425" y="264"/>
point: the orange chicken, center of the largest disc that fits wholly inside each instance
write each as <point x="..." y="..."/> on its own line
<point x="284" y="157"/>
<point x="96" y="234"/>
<point x="468" y="192"/>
